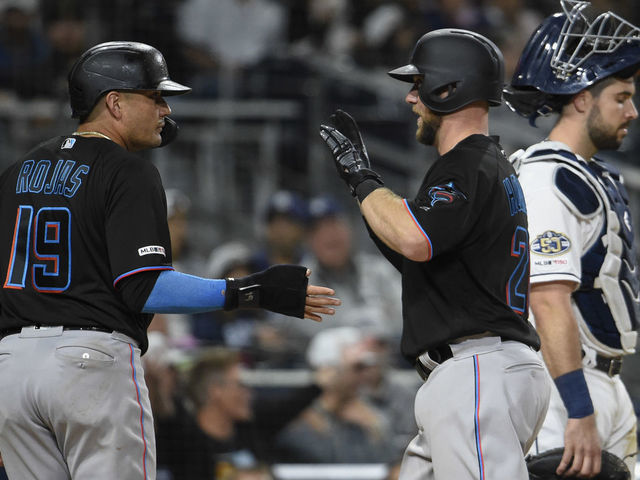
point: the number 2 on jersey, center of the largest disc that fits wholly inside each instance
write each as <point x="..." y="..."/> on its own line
<point x="43" y="247"/>
<point x="518" y="286"/>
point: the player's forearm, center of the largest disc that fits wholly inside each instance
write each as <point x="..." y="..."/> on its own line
<point x="560" y="340"/>
<point x="176" y="292"/>
<point x="388" y="217"/>
<point x="557" y="327"/>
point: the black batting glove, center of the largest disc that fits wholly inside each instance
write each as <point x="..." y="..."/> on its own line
<point x="350" y="155"/>
<point x="280" y="288"/>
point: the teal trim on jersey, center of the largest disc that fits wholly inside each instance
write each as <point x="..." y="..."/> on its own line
<point x="415" y="220"/>
<point x="176" y="292"/>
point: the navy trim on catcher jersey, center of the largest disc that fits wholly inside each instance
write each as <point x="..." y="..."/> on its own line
<point x="577" y="191"/>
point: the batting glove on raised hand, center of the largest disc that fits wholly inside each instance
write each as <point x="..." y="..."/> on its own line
<point x="350" y="155"/>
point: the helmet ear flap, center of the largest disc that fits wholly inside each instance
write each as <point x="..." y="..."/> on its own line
<point x="169" y="132"/>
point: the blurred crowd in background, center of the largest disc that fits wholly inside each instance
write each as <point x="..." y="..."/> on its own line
<point x="39" y="40"/>
<point x="223" y="408"/>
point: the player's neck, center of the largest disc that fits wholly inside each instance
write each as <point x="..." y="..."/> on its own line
<point x="575" y="137"/>
<point x="98" y="130"/>
<point x="458" y="126"/>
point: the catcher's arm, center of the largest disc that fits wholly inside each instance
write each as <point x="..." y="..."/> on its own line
<point x="558" y="330"/>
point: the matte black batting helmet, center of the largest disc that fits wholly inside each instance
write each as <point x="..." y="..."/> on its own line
<point x="465" y="64"/>
<point x="118" y="66"/>
<point x="569" y="52"/>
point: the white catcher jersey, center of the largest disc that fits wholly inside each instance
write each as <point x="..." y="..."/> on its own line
<point x="580" y="231"/>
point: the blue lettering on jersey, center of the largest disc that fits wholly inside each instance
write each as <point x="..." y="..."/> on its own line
<point x="76" y="180"/>
<point x="514" y="195"/>
<point x="63" y="179"/>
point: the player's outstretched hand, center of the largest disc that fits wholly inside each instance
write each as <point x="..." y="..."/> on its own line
<point x="282" y="289"/>
<point x="319" y="301"/>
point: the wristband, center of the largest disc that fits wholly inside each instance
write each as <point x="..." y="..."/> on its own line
<point x="574" y="392"/>
<point x="365" y="187"/>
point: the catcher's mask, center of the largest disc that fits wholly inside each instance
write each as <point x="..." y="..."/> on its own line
<point x="120" y="66"/>
<point x="464" y="64"/>
<point x="571" y="51"/>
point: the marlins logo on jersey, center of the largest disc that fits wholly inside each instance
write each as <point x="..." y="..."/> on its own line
<point x="446" y="193"/>
<point x="551" y="243"/>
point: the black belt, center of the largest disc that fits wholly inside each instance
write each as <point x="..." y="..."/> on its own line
<point x="430" y="359"/>
<point x="609" y="365"/>
<point x="14" y="331"/>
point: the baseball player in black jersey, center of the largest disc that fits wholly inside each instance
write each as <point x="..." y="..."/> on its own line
<point x="86" y="260"/>
<point x="461" y="246"/>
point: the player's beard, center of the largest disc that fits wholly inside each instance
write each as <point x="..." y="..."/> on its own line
<point x="428" y="129"/>
<point x="604" y="136"/>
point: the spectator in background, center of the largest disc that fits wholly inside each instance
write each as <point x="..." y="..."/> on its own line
<point x="466" y="14"/>
<point x="285" y="224"/>
<point x="233" y="36"/>
<point x="153" y="22"/>
<point x="340" y="426"/>
<point x="330" y="32"/>
<point x="512" y="23"/>
<point x="177" y="327"/>
<point x="66" y="30"/>
<point x="229" y="425"/>
<point x="387" y="393"/>
<point x="369" y="286"/>
<point x="23" y="49"/>
<point x="387" y="30"/>
<point x="234" y="328"/>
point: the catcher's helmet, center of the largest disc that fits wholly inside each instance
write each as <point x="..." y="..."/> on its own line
<point x="569" y="52"/>
<point x="465" y="63"/>
<point x="118" y="66"/>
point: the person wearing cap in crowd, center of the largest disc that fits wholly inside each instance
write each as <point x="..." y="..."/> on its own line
<point x="341" y="426"/>
<point x="285" y="222"/>
<point x="369" y="286"/>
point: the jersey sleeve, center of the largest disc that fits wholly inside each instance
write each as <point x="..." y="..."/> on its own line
<point x="555" y="232"/>
<point x="136" y="220"/>
<point x="445" y="208"/>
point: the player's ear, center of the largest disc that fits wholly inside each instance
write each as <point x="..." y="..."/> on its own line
<point x="113" y="101"/>
<point x="582" y="101"/>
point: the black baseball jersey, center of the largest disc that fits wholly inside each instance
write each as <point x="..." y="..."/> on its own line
<point x="80" y="215"/>
<point x="471" y="209"/>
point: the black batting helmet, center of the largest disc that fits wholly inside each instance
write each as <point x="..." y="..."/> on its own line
<point x="118" y="66"/>
<point x="465" y="64"/>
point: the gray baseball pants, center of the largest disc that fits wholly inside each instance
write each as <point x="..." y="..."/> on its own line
<point x="478" y="413"/>
<point x="74" y="405"/>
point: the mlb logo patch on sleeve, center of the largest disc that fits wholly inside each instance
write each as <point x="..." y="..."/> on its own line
<point x="551" y="243"/>
<point x="152" y="250"/>
<point x="68" y="143"/>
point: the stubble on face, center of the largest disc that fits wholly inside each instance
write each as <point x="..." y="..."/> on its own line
<point x="604" y="135"/>
<point x="428" y="127"/>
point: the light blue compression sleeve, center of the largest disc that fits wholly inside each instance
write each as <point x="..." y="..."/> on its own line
<point x="176" y="292"/>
